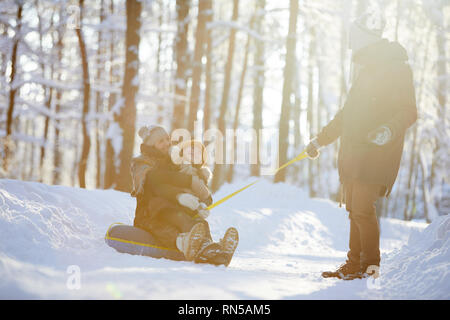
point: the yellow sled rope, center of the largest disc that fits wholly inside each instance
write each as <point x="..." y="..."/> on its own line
<point x="301" y="156"/>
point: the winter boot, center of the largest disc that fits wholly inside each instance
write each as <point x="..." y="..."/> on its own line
<point x="209" y="252"/>
<point x="229" y="243"/>
<point x="370" y="271"/>
<point x="191" y="242"/>
<point x="347" y="271"/>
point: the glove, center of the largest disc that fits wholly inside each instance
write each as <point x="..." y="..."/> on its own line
<point x="199" y="188"/>
<point x="380" y="136"/>
<point x="205" y="174"/>
<point x="312" y="149"/>
<point x="203" y="211"/>
<point x="208" y="201"/>
<point x="188" y="200"/>
<point x="188" y="169"/>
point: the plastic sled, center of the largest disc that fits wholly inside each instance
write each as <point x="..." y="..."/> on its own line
<point x="132" y="240"/>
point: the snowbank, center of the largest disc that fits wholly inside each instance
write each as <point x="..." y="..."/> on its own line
<point x="286" y="241"/>
<point x="421" y="269"/>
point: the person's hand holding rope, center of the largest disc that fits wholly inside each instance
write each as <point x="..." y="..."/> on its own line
<point x="312" y="149"/>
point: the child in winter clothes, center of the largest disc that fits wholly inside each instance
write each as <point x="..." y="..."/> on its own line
<point x="191" y="158"/>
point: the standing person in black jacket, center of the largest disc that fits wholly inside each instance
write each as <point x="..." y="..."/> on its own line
<point x="379" y="109"/>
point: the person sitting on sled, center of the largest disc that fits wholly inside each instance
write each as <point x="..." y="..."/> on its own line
<point x="190" y="157"/>
<point x="166" y="210"/>
<point x="380" y="107"/>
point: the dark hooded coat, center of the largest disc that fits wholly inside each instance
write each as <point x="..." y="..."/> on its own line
<point x="156" y="184"/>
<point x="382" y="94"/>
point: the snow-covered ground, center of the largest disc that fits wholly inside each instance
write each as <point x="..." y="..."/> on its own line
<point x="49" y="233"/>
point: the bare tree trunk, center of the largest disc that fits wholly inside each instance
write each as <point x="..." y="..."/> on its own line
<point x="414" y="189"/>
<point x="58" y="95"/>
<point x="47" y="90"/>
<point x="258" y="83"/>
<point x="296" y="119"/>
<point x="442" y="89"/>
<point x="286" y="106"/>
<point x="310" y="111"/>
<point x="13" y="90"/>
<point x="218" y="168"/>
<point x="31" y="168"/>
<point x="425" y="191"/>
<point x="4" y="61"/>
<point x="200" y="39"/>
<point x="127" y="117"/>
<point x="86" y="95"/>
<point x="208" y="71"/>
<point x="397" y="20"/>
<point x="48" y="105"/>
<point x="343" y="50"/>
<point x="26" y="152"/>
<point x="158" y="64"/>
<point x="73" y="174"/>
<point x="361" y="7"/>
<point x="99" y="101"/>
<point x="56" y="153"/>
<point x="410" y="174"/>
<point x="182" y="64"/>
<point x="238" y="103"/>
<point x="319" y="109"/>
<point x="410" y="191"/>
<point x="110" y="167"/>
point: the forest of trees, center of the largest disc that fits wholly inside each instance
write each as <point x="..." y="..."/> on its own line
<point x="78" y="79"/>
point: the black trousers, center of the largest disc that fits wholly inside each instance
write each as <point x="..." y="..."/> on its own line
<point x="364" y="242"/>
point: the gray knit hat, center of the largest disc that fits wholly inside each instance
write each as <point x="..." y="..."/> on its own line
<point x="151" y="134"/>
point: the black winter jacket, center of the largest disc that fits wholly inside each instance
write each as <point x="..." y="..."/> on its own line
<point x="382" y="94"/>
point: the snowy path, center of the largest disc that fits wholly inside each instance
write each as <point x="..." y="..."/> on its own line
<point x="286" y="240"/>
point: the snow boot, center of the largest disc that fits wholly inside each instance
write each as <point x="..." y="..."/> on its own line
<point x="347" y="271"/>
<point x="191" y="242"/>
<point x="229" y="243"/>
<point x="209" y="254"/>
<point x="370" y="271"/>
